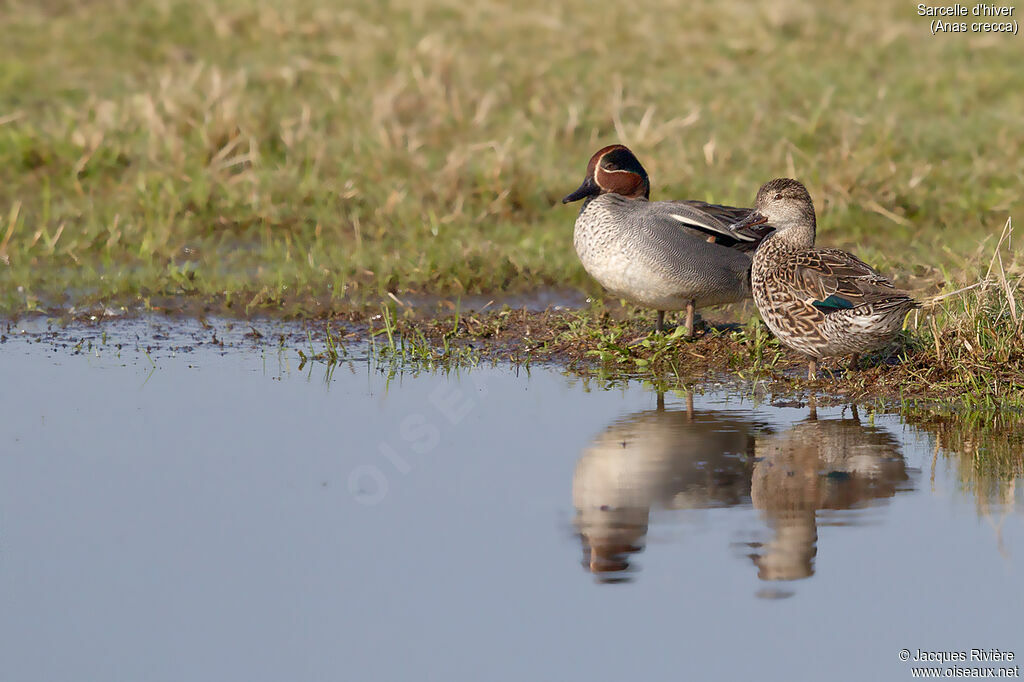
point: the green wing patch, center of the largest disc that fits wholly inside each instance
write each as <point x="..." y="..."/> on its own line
<point x="833" y="303"/>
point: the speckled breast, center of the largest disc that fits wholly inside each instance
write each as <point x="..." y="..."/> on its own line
<point x="610" y="253"/>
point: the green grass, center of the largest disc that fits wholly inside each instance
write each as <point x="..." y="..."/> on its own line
<point x="964" y="350"/>
<point x="309" y="157"/>
<point x="307" y="154"/>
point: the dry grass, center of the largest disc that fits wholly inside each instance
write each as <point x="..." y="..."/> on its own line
<point x="306" y="150"/>
<point x="304" y="155"/>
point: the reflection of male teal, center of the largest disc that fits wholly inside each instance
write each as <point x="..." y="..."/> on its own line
<point x="817" y="464"/>
<point x="669" y="459"/>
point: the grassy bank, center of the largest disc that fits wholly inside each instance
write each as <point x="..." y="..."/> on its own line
<point x="964" y="349"/>
<point x="304" y="154"/>
<point x="311" y="158"/>
<point x="966" y="355"/>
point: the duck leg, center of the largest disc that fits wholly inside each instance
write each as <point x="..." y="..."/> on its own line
<point x="660" y="324"/>
<point x="691" y="307"/>
<point x="854" y="359"/>
<point x="812" y="369"/>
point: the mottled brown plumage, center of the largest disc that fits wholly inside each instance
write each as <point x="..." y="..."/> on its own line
<point x="821" y="302"/>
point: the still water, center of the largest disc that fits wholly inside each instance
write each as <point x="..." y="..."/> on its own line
<point x="215" y="513"/>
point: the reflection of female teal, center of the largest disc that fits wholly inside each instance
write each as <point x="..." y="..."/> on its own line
<point x="817" y="464"/>
<point x="658" y="458"/>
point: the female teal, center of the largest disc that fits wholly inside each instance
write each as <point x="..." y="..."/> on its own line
<point x="821" y="302"/>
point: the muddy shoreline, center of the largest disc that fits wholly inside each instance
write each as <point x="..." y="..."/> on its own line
<point x="612" y="344"/>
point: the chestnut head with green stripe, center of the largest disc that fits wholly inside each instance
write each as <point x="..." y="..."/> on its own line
<point x="613" y="170"/>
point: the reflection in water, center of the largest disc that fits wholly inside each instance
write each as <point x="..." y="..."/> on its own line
<point x="681" y="459"/>
<point x="987" y="449"/>
<point x="817" y="464"/>
<point x="985" y="452"/>
<point x="668" y="459"/>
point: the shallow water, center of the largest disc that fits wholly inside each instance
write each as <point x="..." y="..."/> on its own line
<point x="175" y="509"/>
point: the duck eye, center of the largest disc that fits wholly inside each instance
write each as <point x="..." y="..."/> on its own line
<point x="778" y="196"/>
<point x="610" y="166"/>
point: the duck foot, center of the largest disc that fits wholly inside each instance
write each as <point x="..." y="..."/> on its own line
<point x="692" y="323"/>
<point x="691" y="307"/>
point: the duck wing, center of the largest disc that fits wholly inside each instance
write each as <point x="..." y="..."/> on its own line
<point x="714" y="220"/>
<point x="832" y="280"/>
<point x="727" y="214"/>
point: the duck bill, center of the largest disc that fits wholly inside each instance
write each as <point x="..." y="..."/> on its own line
<point x="746" y="226"/>
<point x="589" y="188"/>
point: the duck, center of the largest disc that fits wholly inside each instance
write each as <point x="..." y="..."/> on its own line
<point x="663" y="255"/>
<point x="651" y="461"/>
<point x="817" y="464"/>
<point x="821" y="302"/>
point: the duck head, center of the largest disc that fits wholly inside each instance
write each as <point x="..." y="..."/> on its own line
<point x="613" y="169"/>
<point x="786" y="205"/>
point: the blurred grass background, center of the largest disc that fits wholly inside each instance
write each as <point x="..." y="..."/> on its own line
<point x="286" y="151"/>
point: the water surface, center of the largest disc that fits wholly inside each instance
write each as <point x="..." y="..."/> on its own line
<point x="174" y="509"/>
